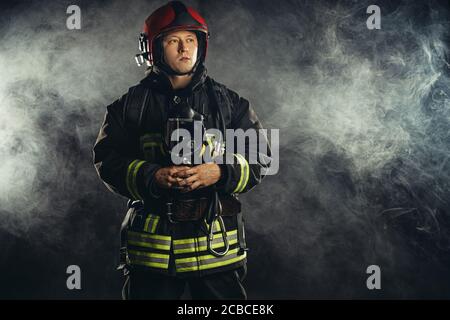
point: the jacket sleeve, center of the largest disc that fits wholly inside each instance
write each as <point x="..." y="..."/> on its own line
<point x="246" y="170"/>
<point x="117" y="158"/>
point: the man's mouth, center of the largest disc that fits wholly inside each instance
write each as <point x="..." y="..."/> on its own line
<point x="185" y="58"/>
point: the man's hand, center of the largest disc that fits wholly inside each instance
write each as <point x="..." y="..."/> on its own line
<point x="199" y="176"/>
<point x="166" y="177"/>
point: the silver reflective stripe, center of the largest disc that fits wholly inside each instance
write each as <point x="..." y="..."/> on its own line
<point x="149" y="259"/>
<point x="202" y="245"/>
<point x="179" y="243"/>
<point x="149" y="240"/>
<point x="208" y="261"/>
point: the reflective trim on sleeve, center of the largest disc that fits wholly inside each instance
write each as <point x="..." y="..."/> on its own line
<point x="245" y="173"/>
<point x="151" y="222"/>
<point x="132" y="171"/>
<point x="150" y="142"/>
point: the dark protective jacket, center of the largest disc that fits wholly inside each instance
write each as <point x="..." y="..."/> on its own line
<point x="129" y="150"/>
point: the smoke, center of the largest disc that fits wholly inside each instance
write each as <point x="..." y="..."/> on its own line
<point x="54" y="86"/>
<point x="363" y="117"/>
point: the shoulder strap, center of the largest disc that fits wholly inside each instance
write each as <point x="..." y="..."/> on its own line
<point x="222" y="93"/>
<point x="218" y="94"/>
<point x="135" y="106"/>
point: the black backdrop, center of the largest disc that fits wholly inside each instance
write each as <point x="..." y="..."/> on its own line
<point x="364" y="143"/>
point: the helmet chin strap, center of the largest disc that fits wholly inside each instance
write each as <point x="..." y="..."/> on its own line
<point x="168" y="71"/>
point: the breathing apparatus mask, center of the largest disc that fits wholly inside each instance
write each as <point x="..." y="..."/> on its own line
<point x="184" y="134"/>
<point x="183" y="139"/>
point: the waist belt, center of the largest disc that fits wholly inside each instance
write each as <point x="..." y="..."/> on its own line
<point x="189" y="210"/>
<point x="196" y="209"/>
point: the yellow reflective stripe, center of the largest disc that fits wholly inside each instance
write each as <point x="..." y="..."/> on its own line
<point x="132" y="171"/>
<point x="151" y="144"/>
<point x="151" y="236"/>
<point x="205" y="257"/>
<point x="149" y="240"/>
<point x="242" y="173"/>
<point x="133" y="183"/>
<point x="147" y="221"/>
<point x="193" y="247"/>
<point x="184" y="241"/>
<point x="204" y="248"/>
<point x="210" y="144"/>
<point x="151" y="136"/>
<point x="149" y="254"/>
<point x="154" y="219"/>
<point x="216" y="225"/>
<point x="192" y="240"/>
<point x="128" y="178"/>
<point x="247" y="175"/>
<point x="243" y="179"/>
<point x="202" y="151"/>
<point x="155" y="224"/>
<point x="215" y="264"/>
<point x="150" y="264"/>
<point x="135" y="255"/>
<point x="152" y="140"/>
<point x="149" y="245"/>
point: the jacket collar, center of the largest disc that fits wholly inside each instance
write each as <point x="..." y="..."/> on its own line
<point x="159" y="81"/>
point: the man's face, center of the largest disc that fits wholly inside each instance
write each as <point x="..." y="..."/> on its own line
<point x="180" y="50"/>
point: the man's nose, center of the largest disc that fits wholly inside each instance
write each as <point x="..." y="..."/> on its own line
<point x="182" y="46"/>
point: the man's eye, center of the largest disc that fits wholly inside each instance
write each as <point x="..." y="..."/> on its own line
<point x="172" y="41"/>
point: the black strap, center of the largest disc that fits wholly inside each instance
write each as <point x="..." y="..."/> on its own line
<point x="124" y="261"/>
<point x="134" y="109"/>
<point x="218" y="97"/>
<point x="135" y="106"/>
<point x="214" y="90"/>
<point x="241" y="234"/>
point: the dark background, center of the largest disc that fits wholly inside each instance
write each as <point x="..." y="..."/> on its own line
<point x="364" y="143"/>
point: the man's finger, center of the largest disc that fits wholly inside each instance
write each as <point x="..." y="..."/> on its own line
<point x="192" y="179"/>
<point x="192" y="170"/>
<point x="195" y="185"/>
<point x="181" y="168"/>
<point x="179" y="182"/>
<point x="182" y="174"/>
<point x="188" y="181"/>
<point x="171" y="179"/>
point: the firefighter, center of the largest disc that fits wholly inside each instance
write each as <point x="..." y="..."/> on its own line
<point x="184" y="226"/>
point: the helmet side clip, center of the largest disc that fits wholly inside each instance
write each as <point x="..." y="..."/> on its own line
<point x="142" y="57"/>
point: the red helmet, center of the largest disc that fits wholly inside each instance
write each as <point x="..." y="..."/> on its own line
<point x="170" y="17"/>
